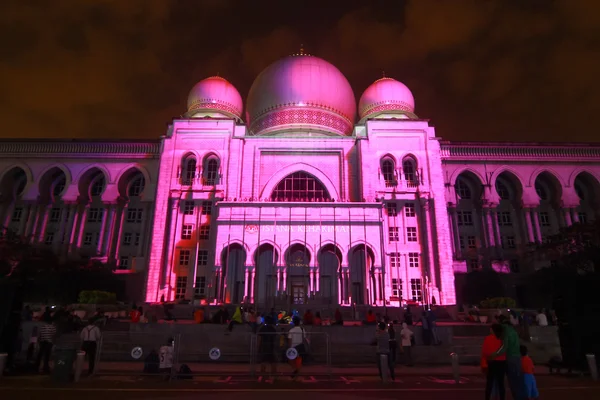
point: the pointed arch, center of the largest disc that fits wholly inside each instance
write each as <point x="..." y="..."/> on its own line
<point x="459" y="171"/>
<point x="548" y="170"/>
<point x="26" y="169"/>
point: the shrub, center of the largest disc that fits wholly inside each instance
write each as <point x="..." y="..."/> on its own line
<point x="97" y="297"/>
<point x="498" y="302"/>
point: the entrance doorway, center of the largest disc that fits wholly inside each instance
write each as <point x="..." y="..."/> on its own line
<point x="298" y="292"/>
<point x="298" y="261"/>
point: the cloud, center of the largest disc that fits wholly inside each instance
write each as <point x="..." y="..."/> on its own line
<point x="502" y="69"/>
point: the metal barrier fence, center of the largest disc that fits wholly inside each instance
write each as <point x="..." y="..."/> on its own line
<point x="134" y="353"/>
<point x="230" y="354"/>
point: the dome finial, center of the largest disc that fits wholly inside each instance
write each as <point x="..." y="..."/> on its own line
<point x="301" y="49"/>
<point x="383" y="74"/>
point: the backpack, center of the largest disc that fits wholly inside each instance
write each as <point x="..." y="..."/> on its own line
<point x="151" y="363"/>
<point x="184" y="372"/>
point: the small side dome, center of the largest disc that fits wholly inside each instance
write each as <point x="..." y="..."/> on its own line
<point x="386" y="96"/>
<point x="214" y="96"/>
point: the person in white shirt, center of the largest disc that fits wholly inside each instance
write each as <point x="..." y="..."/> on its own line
<point x="406" y="337"/>
<point x="541" y="318"/>
<point x="297" y="337"/>
<point x="90" y="336"/>
<point x="166" y="355"/>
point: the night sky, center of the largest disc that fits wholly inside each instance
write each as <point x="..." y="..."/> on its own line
<point x="521" y="70"/>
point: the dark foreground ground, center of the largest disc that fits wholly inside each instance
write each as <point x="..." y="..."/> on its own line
<point x="368" y="387"/>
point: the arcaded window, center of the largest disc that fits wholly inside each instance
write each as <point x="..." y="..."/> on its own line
<point x="300" y="186"/>
<point x="462" y="189"/>
<point x="189" y="171"/>
<point x="387" y="169"/>
<point x="409" y="167"/>
<point x="211" y="171"/>
<point x="98" y="185"/>
<point x="137" y="186"/>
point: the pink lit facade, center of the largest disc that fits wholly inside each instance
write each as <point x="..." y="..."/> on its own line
<point x="307" y="197"/>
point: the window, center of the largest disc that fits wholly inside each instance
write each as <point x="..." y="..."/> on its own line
<point x="202" y="258"/>
<point x="508" y="242"/>
<point x="88" y="238"/>
<point x="135" y="215"/>
<point x="544" y="219"/>
<point x="413" y="260"/>
<point x="411" y="234"/>
<point x="416" y="289"/>
<point x="212" y="171"/>
<point x="410" y="173"/>
<point x="186" y="231"/>
<point x="189" y="171"/>
<point x="97" y="186"/>
<point x="188" y="208"/>
<point x="17" y="213"/>
<point x="514" y="265"/>
<point x="137" y="186"/>
<point x="462" y="189"/>
<point x="582" y="217"/>
<point x="397" y="287"/>
<point x="67" y="214"/>
<point x="394" y="260"/>
<point x="184" y="257"/>
<point x="49" y="238"/>
<point x="387" y="169"/>
<point x="137" y="239"/>
<point x="502" y="191"/>
<point x="124" y="262"/>
<point x="464" y="218"/>
<point x="392" y="209"/>
<point x="300" y="186"/>
<point x="409" y="210"/>
<point x="461" y="242"/>
<point x="393" y="234"/>
<point x="95" y="215"/>
<point x="55" y="214"/>
<point x="204" y="232"/>
<point x="200" y="289"/>
<point x="127" y="239"/>
<point x="504" y="218"/>
<point x="180" y="287"/>
<point x="471" y="243"/>
<point x="473" y="264"/>
<point x="206" y="207"/>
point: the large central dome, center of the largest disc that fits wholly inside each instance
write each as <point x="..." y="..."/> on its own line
<point x="301" y="92"/>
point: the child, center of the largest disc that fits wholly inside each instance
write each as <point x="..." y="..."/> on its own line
<point x="527" y="369"/>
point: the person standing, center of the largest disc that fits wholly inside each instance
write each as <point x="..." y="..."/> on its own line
<point x="297" y="338"/>
<point x="406" y="337"/>
<point x="541" y="318"/>
<point x="531" y="390"/>
<point x="47" y="336"/>
<point x="393" y="343"/>
<point x="166" y="356"/>
<point x="266" y="347"/>
<point x="382" y="338"/>
<point x="493" y="369"/>
<point x="90" y="336"/>
<point x="511" y="349"/>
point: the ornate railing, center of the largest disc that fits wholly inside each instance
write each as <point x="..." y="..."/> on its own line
<point x="503" y="151"/>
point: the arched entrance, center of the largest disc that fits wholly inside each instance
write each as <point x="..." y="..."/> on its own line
<point x="265" y="284"/>
<point x="330" y="259"/>
<point x="361" y="263"/>
<point x="233" y="281"/>
<point x="298" y="261"/>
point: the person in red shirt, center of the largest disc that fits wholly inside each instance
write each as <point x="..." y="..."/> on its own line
<point x="371" y="319"/>
<point x="317" y="321"/>
<point x="307" y="319"/>
<point x="495" y="369"/>
<point x="135" y="315"/>
<point x="527" y="370"/>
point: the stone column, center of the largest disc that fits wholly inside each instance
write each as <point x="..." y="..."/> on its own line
<point x="487" y="211"/>
<point x="529" y="223"/>
<point x="24" y="218"/>
<point x="278" y="284"/>
<point x="246" y="284"/>
<point x="31" y="218"/>
<point x="109" y="230"/>
<point x="311" y="281"/>
<point x="43" y="222"/>
<point x="536" y="221"/>
<point x="8" y="214"/>
<point x="36" y="222"/>
<point x="167" y="266"/>
<point x="82" y="223"/>
<point x="380" y="284"/>
<point x="430" y="256"/>
<point x="119" y="231"/>
<point x="567" y="215"/>
<point x="73" y="229"/>
<point x="70" y="228"/>
<point x="496" y="226"/>
<point x="575" y="215"/>
<point x="101" y="234"/>
<point x="252" y="284"/>
<point x="63" y="221"/>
